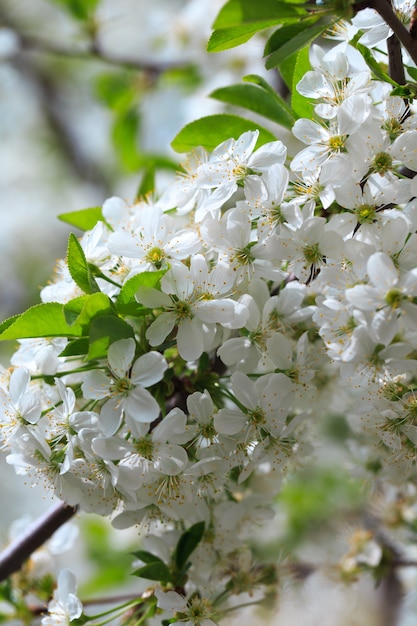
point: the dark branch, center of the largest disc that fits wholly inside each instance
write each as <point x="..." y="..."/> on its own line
<point x="13" y="557"/>
<point x="395" y="60"/>
<point x="386" y="12"/>
<point x="94" y="52"/>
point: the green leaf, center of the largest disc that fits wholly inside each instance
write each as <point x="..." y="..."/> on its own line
<point x="147" y="184"/>
<point x="287" y="32"/>
<point x="78" y="266"/>
<point x="80" y="9"/>
<point x="125" y="133"/>
<point x="82" y="310"/>
<point x="154" y="571"/>
<point x="146" y="557"/>
<point x="407" y="91"/>
<point x="299" y="41"/>
<point x="300" y="105"/>
<point x="105" y="330"/>
<point x="188" y="543"/>
<point x="85" y="219"/>
<point x="226" y="38"/>
<point x="109" y="564"/>
<point x="8" y="322"/>
<point x="239" y="20"/>
<point x="237" y="12"/>
<point x="77" y="347"/>
<point x="212" y="130"/>
<point x="412" y="71"/>
<point x="41" y="320"/>
<point x="126" y="302"/>
<point x="374" y="66"/>
<point x="261" y="82"/>
<point x="116" y="90"/>
<point x="258" y="100"/>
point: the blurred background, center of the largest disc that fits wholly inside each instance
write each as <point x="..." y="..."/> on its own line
<point x="88" y="108"/>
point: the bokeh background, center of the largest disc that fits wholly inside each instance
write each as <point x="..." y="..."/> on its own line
<point x="87" y="109"/>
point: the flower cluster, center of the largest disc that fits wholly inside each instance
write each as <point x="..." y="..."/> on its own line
<point x="237" y="305"/>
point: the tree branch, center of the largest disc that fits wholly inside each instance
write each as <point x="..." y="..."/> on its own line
<point x="94" y="52"/>
<point x="386" y="12"/>
<point x="395" y="60"/>
<point x="13" y="557"/>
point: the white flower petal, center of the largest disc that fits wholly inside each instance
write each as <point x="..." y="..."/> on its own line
<point x="120" y="356"/>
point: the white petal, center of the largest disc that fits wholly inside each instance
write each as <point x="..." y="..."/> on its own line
<point x="120" y="356"/>
<point x="190" y="340"/>
<point x="96" y="385"/>
<point x="229" y="422"/>
<point x="19" y="381"/>
<point x="148" y="369"/>
<point x="245" y="390"/>
<point x="141" y="407"/>
<point x="381" y="270"/>
<point x="152" y="298"/>
<point x="160" y="328"/>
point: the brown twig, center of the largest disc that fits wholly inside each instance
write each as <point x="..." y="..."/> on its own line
<point x="385" y="10"/>
<point x="395" y="60"/>
<point x="94" y="52"/>
<point x="13" y="557"/>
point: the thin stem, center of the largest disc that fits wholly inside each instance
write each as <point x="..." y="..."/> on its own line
<point x="13" y="557"/>
<point x="31" y="43"/>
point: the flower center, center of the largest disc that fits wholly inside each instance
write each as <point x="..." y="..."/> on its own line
<point x="155" y="256"/>
<point x="144" y="447"/>
<point x="337" y="143"/>
<point x="393" y="128"/>
<point x="242" y="256"/>
<point x="382" y="163"/>
<point x="121" y="386"/>
<point x="393" y="298"/>
<point x="257" y="416"/>
<point x="365" y="213"/>
<point x="312" y="254"/>
<point x="348" y="328"/>
<point x="183" y="310"/>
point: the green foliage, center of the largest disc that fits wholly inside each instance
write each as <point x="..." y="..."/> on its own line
<point x="175" y="573"/>
<point x="314" y="499"/>
<point x="210" y="131"/>
<point x="258" y="99"/>
<point x="294" y="40"/>
<point x="408" y="91"/>
<point x="236" y="12"/>
<point x="187" y="544"/>
<point x="117" y="90"/>
<point x="239" y="20"/>
<point x="281" y="39"/>
<point x="374" y="66"/>
<point x="147" y="183"/>
<point x="292" y="70"/>
<point x="42" y="320"/>
<point x="126" y="302"/>
<point x="157" y="570"/>
<point x="85" y="219"/>
<point x="83" y="309"/>
<point x="125" y="135"/>
<point x="80" y="9"/>
<point x="105" y="330"/>
<point x="79" y="267"/>
<point x="121" y="92"/>
<point x="110" y="566"/>
<point x="412" y="71"/>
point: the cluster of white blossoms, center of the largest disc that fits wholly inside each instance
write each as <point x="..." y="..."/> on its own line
<point x="278" y="282"/>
